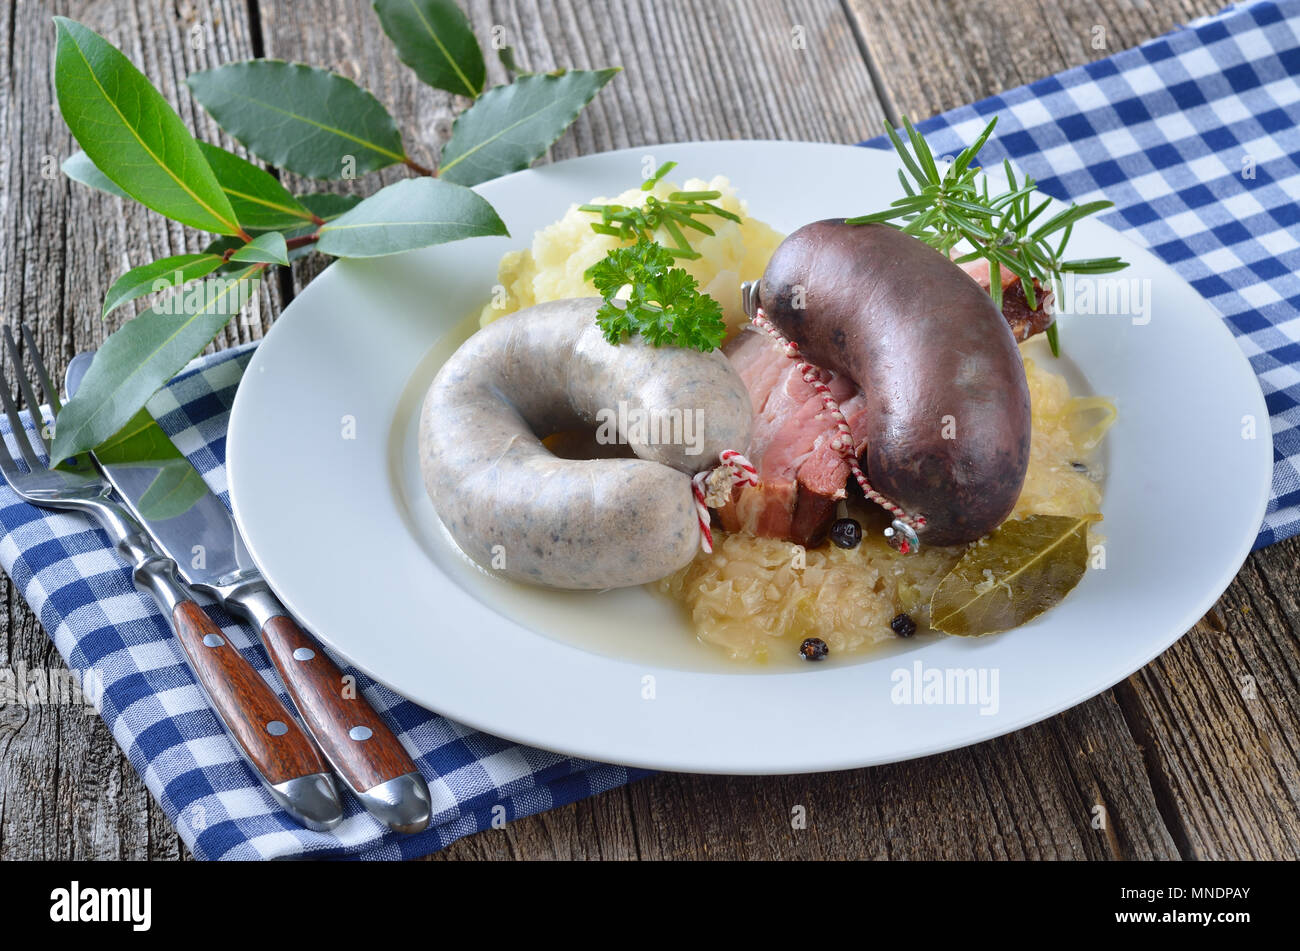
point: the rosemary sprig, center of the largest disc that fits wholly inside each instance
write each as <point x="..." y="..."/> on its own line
<point x="680" y="210"/>
<point x="945" y="208"/>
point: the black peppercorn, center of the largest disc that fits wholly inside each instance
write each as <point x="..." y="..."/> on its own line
<point x="903" y="625"/>
<point x="813" y="648"/>
<point x="846" y="532"/>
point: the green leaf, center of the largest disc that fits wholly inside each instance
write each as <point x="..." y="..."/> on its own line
<point x="1054" y="338"/>
<point x="269" y="248"/>
<point x="664" y="304"/>
<point x="922" y="151"/>
<point x="143" y="355"/>
<point x="409" y="214"/>
<point x="176" y="487"/>
<point x="878" y="217"/>
<point x="173" y="492"/>
<point x="220" y="246"/>
<point x="140" y="440"/>
<point x="433" y="37"/>
<point x="300" y="118"/>
<point x="968" y="154"/>
<point x="260" y="202"/>
<point x="131" y="134"/>
<point x="325" y="205"/>
<point x="1026" y="566"/>
<point x="328" y="205"/>
<point x="157" y="276"/>
<point x="1070" y="215"/>
<point x="507" y="56"/>
<point x="224" y="244"/>
<point x="904" y="155"/>
<point x="80" y="168"/>
<point x="510" y="126"/>
<point x="1093" y="266"/>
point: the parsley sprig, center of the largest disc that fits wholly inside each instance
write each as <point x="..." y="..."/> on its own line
<point x="664" y="305"/>
<point x="680" y="210"/>
<point x="954" y="205"/>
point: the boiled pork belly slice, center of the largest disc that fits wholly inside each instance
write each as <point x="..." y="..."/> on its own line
<point x="801" y="477"/>
<point x="1025" y="321"/>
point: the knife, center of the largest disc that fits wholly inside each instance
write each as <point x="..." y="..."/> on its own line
<point x="192" y="526"/>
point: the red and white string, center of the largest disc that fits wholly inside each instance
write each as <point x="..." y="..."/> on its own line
<point x="743" y="471"/>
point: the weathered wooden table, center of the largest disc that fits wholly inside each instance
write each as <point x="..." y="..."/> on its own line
<point x="1195" y="756"/>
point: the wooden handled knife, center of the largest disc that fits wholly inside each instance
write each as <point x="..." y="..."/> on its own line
<point x="193" y="527"/>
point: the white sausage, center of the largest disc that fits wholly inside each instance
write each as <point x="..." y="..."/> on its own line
<point x="528" y="515"/>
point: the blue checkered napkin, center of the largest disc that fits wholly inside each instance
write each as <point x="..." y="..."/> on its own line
<point x="83" y="594"/>
<point x="1165" y="131"/>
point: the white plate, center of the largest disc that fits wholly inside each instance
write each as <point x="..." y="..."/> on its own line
<point x="345" y="534"/>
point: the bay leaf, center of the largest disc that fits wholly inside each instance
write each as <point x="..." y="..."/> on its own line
<point x="141" y="440"/>
<point x="176" y="487"/>
<point x="142" y="355"/>
<point x="300" y="118"/>
<point x="412" y="213"/>
<point x="131" y="134"/>
<point x="325" y="205"/>
<point x="80" y="168"/>
<point x="173" y="492"/>
<point x="159" y="275"/>
<point x="433" y="37"/>
<point x="507" y="56"/>
<point x="510" y="126"/>
<point x="260" y="202"/>
<point x="1026" y="566"/>
<point x="268" y="248"/>
<point x="221" y="245"/>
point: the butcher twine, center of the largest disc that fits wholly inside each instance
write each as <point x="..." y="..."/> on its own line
<point x="714" y="486"/>
<point x="738" y="470"/>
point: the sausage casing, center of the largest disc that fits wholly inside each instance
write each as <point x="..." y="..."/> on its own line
<point x="523" y="513"/>
<point x="948" y="421"/>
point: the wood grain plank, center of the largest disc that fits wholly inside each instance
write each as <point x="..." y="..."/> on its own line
<point x="1028" y="795"/>
<point x="66" y="791"/>
<point x="932" y="55"/>
<point x="1032" y="795"/>
<point x="1220" y="710"/>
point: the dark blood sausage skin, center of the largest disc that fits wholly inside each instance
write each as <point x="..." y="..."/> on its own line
<point x="932" y="356"/>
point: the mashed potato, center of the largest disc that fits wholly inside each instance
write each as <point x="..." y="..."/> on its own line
<point x="753" y="596"/>
<point x="553" y="267"/>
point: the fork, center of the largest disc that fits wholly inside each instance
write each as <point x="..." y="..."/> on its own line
<point x="277" y="748"/>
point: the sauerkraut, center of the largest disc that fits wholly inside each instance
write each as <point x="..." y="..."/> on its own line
<point x="754" y="596"/>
